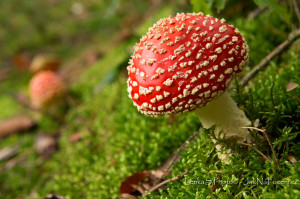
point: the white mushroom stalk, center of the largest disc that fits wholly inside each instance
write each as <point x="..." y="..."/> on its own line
<point x="228" y="118"/>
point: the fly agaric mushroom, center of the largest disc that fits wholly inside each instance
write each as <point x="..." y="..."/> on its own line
<point x="46" y="89"/>
<point x="185" y="63"/>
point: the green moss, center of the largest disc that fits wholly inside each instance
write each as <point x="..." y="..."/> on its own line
<point x="116" y="140"/>
<point x="247" y="176"/>
<point x="8" y="107"/>
<point x="9" y="89"/>
<point x="119" y="141"/>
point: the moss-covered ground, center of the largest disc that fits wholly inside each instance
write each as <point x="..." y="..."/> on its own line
<point x="117" y="141"/>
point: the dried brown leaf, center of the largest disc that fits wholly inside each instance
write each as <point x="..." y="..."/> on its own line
<point x="134" y="179"/>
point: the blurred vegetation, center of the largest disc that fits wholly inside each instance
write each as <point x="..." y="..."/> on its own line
<point x="115" y="139"/>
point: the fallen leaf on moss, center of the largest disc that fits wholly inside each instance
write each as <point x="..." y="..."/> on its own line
<point x="141" y="182"/>
<point x="16" y="125"/>
<point x="127" y="185"/>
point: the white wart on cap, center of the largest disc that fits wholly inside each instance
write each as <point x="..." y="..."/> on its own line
<point x="184" y="62"/>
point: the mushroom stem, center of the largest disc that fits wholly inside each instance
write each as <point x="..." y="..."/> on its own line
<point x="228" y="118"/>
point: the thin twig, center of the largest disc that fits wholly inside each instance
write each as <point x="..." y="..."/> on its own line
<point x="296" y="95"/>
<point x="258" y="151"/>
<point x="272" y="149"/>
<point x="255" y="13"/>
<point x="293" y="36"/>
<point x="139" y="188"/>
<point x="217" y="171"/>
<point x="167" y="181"/>
<point x="269" y="142"/>
<point x="253" y="128"/>
<point x="295" y="5"/>
<point x="283" y="151"/>
<point x="175" y="156"/>
<point x="183" y="146"/>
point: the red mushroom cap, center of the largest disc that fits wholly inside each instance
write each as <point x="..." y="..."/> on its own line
<point x="46" y="88"/>
<point x="184" y="62"/>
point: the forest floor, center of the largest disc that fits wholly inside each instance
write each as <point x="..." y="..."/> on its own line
<point x="102" y="139"/>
